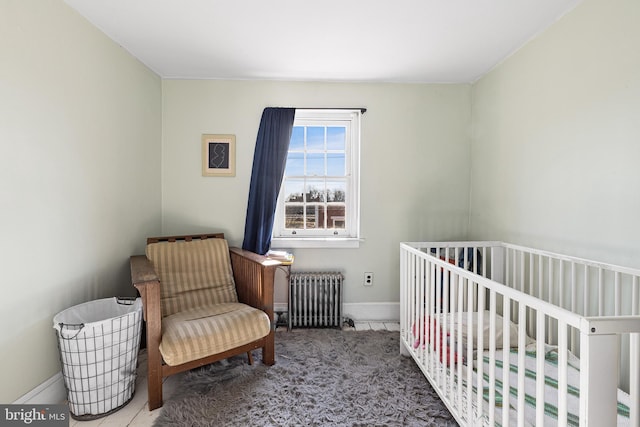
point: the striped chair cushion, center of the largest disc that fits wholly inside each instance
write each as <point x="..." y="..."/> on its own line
<point x="200" y="332"/>
<point x="192" y="274"/>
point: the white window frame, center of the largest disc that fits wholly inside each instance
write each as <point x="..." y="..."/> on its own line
<point x="328" y="238"/>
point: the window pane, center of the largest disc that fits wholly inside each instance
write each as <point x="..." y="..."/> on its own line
<point x="293" y="190"/>
<point x="315" y="216"/>
<point x="336" y="191"/>
<point x="335" y="138"/>
<point x="336" y="217"/>
<point x="315" y="164"/>
<point x="335" y="164"/>
<point x="295" y="164"/>
<point x="315" y="138"/>
<point x="315" y="192"/>
<point x="293" y="217"/>
<point x="297" y="139"/>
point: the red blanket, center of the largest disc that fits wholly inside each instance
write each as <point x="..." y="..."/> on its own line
<point x="445" y="351"/>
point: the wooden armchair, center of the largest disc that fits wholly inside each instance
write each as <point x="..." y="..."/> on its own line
<point x="202" y="302"/>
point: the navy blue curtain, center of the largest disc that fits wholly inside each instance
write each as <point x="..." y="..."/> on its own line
<point x="269" y="160"/>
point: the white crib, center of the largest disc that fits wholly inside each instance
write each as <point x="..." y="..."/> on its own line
<point x="509" y="335"/>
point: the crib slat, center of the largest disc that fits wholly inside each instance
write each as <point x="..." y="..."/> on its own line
<point x="635" y="304"/>
<point x="540" y="277"/>
<point x="616" y="293"/>
<point x="522" y="282"/>
<point x="521" y="363"/>
<point x="458" y="338"/>
<point x="439" y="309"/>
<point x="560" y="286"/>
<point x="417" y="307"/>
<point x="507" y="267"/>
<point x="425" y="290"/>
<point x="412" y="280"/>
<point x="550" y="297"/>
<point x="449" y="329"/>
<point x="413" y="277"/>
<point x="600" y="292"/>
<point x="471" y="291"/>
<point x="531" y="289"/>
<point x="492" y="357"/>
<point x="484" y="262"/>
<point x="562" y="373"/>
<point x="574" y="306"/>
<point x="480" y="346"/>
<point x="540" y="341"/>
<point x="433" y="326"/>
<point x="403" y="298"/>
<point x="431" y="344"/>
<point x="585" y="293"/>
<point x="465" y="258"/>
<point x="634" y="386"/>
<point x="506" y="360"/>
<point x="574" y="296"/>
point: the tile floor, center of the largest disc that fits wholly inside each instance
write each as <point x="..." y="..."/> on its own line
<point x="136" y="413"/>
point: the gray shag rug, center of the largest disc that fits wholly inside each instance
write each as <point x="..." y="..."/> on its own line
<point x="322" y="377"/>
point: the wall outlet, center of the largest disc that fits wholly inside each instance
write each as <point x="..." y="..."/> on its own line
<point x="368" y="279"/>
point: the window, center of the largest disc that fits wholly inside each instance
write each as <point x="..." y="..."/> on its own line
<point x="318" y="203"/>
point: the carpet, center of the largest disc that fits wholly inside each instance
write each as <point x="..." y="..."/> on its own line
<point x="322" y="377"/>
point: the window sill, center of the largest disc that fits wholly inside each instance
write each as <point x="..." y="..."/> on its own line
<point x="315" y="242"/>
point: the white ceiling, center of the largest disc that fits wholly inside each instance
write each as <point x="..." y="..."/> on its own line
<point x="431" y="41"/>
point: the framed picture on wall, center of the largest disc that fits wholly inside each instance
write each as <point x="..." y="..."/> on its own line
<point x="218" y="155"/>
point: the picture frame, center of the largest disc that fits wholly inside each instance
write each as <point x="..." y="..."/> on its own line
<point x="218" y="155"/>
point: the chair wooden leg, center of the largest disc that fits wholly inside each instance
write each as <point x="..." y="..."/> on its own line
<point x="269" y="350"/>
<point x="250" y="356"/>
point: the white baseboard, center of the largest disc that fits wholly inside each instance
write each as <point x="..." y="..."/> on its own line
<point x="372" y="311"/>
<point x="280" y="306"/>
<point x="362" y="311"/>
<point x="51" y="391"/>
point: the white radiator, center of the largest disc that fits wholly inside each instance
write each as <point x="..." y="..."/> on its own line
<point x="315" y="300"/>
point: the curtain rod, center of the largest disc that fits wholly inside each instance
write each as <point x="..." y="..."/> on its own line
<point x="362" y="110"/>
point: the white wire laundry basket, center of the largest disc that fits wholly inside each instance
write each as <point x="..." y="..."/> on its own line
<point x="99" y="342"/>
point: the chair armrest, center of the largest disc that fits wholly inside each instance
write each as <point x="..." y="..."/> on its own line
<point x="146" y="281"/>
<point x="254" y="276"/>
<point x="142" y="270"/>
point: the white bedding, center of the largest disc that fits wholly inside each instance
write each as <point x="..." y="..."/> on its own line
<point x="550" y="390"/>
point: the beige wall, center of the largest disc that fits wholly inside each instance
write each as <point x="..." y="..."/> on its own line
<point x="556" y="138"/>
<point x="414" y="173"/>
<point x="79" y="176"/>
